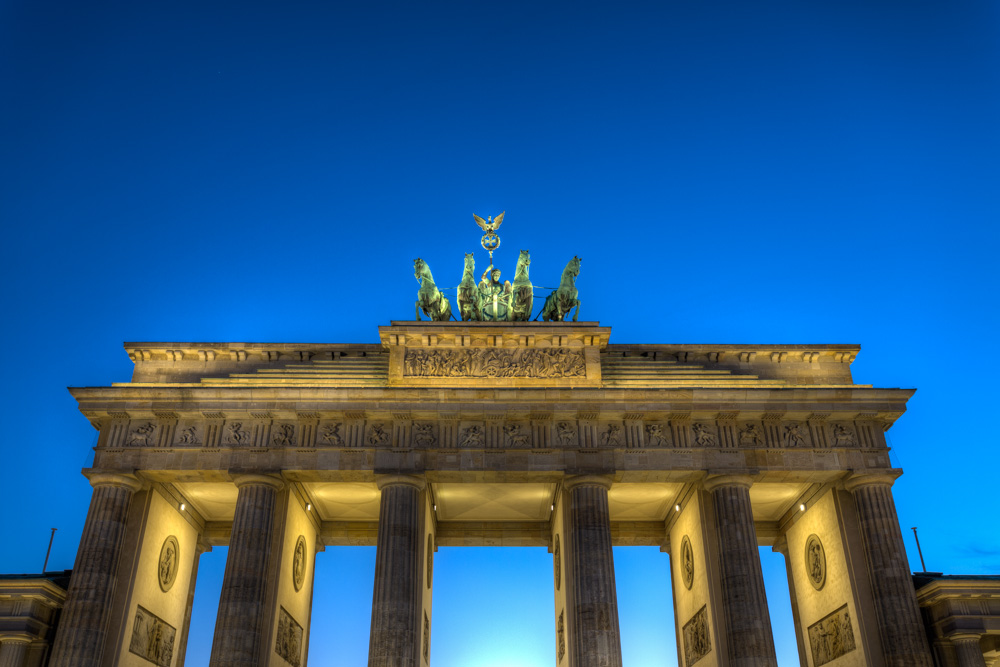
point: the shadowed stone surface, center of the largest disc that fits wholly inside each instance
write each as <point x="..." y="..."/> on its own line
<point x="83" y="625"/>
<point x="241" y="636"/>
<point x="597" y="640"/>
<point x="395" y="631"/>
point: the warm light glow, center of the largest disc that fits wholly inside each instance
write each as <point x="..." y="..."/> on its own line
<point x="183" y="506"/>
<point x="309" y="507"/>
<point x="552" y="507"/>
<point x="802" y="508"/>
<point x="677" y="508"/>
<point x="435" y="508"/>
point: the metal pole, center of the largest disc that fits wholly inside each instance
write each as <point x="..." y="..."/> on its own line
<point x="918" y="549"/>
<point x="51" y="537"/>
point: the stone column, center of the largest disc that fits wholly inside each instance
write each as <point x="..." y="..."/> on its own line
<point x="241" y="632"/>
<point x="396" y="601"/>
<point x="744" y="602"/>
<point x="596" y="639"/>
<point x="13" y="651"/>
<point x="83" y="626"/>
<point x="904" y="643"/>
<point x="966" y="647"/>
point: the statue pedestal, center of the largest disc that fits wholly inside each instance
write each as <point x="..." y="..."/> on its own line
<point x="494" y="354"/>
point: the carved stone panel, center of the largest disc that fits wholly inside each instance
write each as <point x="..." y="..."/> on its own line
<point x="657" y="435"/>
<point x="796" y="435"/>
<point x="843" y="436"/>
<point x="516" y="435"/>
<point x="288" y="642"/>
<point x="167" y="563"/>
<point x="152" y="638"/>
<point x="299" y="563"/>
<point x="495" y="363"/>
<point x="815" y="562"/>
<point x="427" y="639"/>
<point x="331" y="434"/>
<point x="557" y="563"/>
<point x="472" y="436"/>
<point x="561" y="637"/>
<point x="612" y="435"/>
<point x="430" y="560"/>
<point x="697" y="641"/>
<point x="188" y="435"/>
<point x="567" y="434"/>
<point x="283" y="435"/>
<point x="704" y="435"/>
<point x="831" y="637"/>
<point x="751" y="435"/>
<point x="423" y="435"/>
<point x="237" y="434"/>
<point x="378" y="435"/>
<point x="687" y="563"/>
<point x="141" y="435"/>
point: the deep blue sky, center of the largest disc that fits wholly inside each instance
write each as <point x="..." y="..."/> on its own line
<point x="783" y="172"/>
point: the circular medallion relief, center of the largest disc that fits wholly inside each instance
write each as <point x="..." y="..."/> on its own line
<point x="557" y="563"/>
<point x="430" y="559"/>
<point x="815" y="562"/>
<point x="299" y="563"/>
<point x="687" y="563"/>
<point x="166" y="568"/>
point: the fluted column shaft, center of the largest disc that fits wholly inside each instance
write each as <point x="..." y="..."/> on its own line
<point x="395" y="629"/>
<point x="744" y="602"/>
<point x="596" y="640"/>
<point x="83" y="626"/>
<point x="904" y="643"/>
<point x="13" y="651"/>
<point x="241" y="634"/>
<point x="968" y="651"/>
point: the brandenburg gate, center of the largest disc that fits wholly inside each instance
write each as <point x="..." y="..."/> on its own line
<point x="492" y="430"/>
<point x="491" y="433"/>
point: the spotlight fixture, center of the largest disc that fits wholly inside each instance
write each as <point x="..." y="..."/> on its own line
<point x="309" y="507"/>
<point x="435" y="507"/>
<point x="802" y="508"/>
<point x="552" y="507"/>
<point x="677" y="508"/>
<point x="183" y="506"/>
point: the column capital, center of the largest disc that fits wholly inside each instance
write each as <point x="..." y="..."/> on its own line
<point x="256" y="479"/>
<point x="99" y="478"/>
<point x="956" y="637"/>
<point x="714" y="482"/>
<point x="415" y="481"/>
<point x="570" y="483"/>
<point x="781" y="546"/>
<point x="16" y="638"/>
<point x="884" y="478"/>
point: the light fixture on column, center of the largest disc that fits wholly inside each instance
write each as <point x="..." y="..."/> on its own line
<point x="183" y="506"/>
<point x="552" y="507"/>
<point x="435" y="507"/>
<point x="309" y="507"/>
<point x="802" y="508"/>
<point x="677" y="508"/>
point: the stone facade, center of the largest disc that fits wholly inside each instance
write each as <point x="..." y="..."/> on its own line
<point x="449" y="434"/>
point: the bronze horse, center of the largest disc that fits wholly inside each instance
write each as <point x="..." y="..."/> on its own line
<point x="429" y="298"/>
<point x="469" y="306"/>
<point x="559" y="303"/>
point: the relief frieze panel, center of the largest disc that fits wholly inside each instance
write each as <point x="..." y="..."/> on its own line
<point x="832" y="637"/>
<point x="288" y="639"/>
<point x="697" y="641"/>
<point x="152" y="638"/>
<point x="554" y="362"/>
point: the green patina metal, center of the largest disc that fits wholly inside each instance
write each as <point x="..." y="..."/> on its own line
<point x="492" y="300"/>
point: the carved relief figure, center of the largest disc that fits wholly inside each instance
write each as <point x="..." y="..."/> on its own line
<point x="703" y="435"/>
<point x="473" y="437"/>
<point x="815" y="562"/>
<point x="697" y="641"/>
<point x="687" y="563"/>
<point x="795" y="436"/>
<point x="423" y="435"/>
<point x="331" y="435"/>
<point x="655" y="436"/>
<point x="288" y="640"/>
<point x="612" y="436"/>
<point x="750" y="436"/>
<point x="299" y="563"/>
<point x="152" y="638"/>
<point x="142" y="436"/>
<point x="284" y="436"/>
<point x="843" y="436"/>
<point x="557" y="563"/>
<point x="493" y="362"/>
<point x="189" y="436"/>
<point x="236" y="435"/>
<point x="566" y="432"/>
<point x="167" y="563"/>
<point x="513" y="435"/>
<point x="377" y="435"/>
<point x="561" y="636"/>
<point x="427" y="639"/>
<point x="832" y="637"/>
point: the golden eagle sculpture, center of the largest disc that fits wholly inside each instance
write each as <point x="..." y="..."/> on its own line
<point x="490" y="224"/>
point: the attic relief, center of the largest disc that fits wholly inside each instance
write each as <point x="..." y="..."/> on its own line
<point x="493" y="362"/>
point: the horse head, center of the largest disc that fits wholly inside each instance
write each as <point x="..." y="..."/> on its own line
<point x="574" y="266"/>
<point x="470" y="260"/>
<point x="524" y="257"/>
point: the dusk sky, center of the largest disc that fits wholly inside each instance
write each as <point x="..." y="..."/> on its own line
<point x="765" y="172"/>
